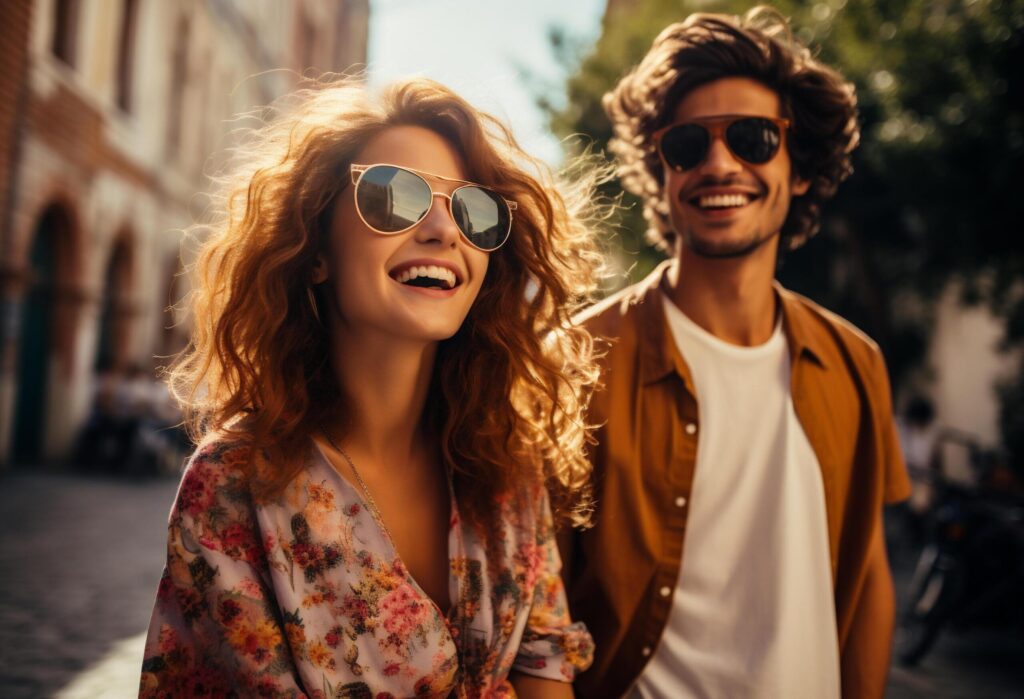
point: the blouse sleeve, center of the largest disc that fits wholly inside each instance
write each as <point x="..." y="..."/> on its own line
<point x="216" y="629"/>
<point x="553" y="647"/>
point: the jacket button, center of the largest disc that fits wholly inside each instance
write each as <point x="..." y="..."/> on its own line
<point x="665" y="591"/>
<point x="680" y="501"/>
<point x="645" y="651"/>
<point x="691" y="428"/>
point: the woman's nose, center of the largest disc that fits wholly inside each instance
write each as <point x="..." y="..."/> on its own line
<point x="438" y="226"/>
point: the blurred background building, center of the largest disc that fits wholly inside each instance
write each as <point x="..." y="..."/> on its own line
<point x="109" y="111"/>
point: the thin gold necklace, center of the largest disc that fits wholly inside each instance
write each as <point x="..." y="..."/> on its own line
<point x="366" y="491"/>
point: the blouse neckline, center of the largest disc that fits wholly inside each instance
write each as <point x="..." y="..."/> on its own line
<point x="454" y="538"/>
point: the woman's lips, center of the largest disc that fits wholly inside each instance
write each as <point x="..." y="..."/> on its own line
<point x="429" y="292"/>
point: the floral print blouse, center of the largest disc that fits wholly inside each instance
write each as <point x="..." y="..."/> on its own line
<point x="305" y="596"/>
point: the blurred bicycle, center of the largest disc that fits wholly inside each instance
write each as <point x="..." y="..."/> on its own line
<point x="971" y="569"/>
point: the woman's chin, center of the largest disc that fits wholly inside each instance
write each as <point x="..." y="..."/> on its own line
<point x="433" y="330"/>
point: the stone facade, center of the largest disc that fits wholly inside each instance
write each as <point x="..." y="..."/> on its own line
<point x="111" y="112"/>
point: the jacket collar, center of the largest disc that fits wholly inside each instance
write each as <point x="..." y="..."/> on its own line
<point x="659" y="355"/>
<point x="803" y="330"/>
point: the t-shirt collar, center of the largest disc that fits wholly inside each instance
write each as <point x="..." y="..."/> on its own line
<point x="659" y="355"/>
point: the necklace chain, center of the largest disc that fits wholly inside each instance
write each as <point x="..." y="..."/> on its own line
<point x="362" y="484"/>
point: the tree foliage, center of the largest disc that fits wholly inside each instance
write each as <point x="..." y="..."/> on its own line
<point x="936" y="194"/>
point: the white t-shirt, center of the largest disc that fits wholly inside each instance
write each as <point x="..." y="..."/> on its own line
<point x="753" y="614"/>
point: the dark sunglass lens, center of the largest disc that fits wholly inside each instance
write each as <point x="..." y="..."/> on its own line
<point x="482" y="215"/>
<point x="685" y="146"/>
<point x="754" y="140"/>
<point x="392" y="199"/>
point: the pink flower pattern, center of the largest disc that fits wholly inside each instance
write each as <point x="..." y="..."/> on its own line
<point x="304" y="596"/>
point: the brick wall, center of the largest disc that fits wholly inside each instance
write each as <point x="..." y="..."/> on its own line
<point x="14" y="33"/>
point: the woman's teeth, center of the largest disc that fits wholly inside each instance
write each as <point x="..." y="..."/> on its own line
<point x="427" y="275"/>
<point x="723" y="201"/>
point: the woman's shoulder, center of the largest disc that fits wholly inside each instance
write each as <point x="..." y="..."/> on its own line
<point x="215" y="508"/>
<point x="218" y="473"/>
<point x="222" y="452"/>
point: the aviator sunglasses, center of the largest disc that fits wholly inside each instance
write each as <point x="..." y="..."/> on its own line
<point x="392" y="199"/>
<point x="754" y="140"/>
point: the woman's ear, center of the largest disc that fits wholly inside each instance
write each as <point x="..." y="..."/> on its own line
<point x="319" y="274"/>
<point x="800" y="186"/>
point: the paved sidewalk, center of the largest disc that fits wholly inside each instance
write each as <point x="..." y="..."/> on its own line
<point x="975" y="664"/>
<point x="80" y="559"/>
<point x="79" y="563"/>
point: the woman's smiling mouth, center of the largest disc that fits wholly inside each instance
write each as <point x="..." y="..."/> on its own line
<point x="427" y="275"/>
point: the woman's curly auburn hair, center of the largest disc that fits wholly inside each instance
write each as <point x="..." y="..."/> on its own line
<point x="820" y="104"/>
<point x="509" y="390"/>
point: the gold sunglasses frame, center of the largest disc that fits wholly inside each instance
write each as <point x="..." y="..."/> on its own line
<point x="357" y="171"/>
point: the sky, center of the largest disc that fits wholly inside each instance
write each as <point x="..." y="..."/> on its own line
<point x="477" y="49"/>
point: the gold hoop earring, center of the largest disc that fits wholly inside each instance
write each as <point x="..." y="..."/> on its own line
<point x="312" y="303"/>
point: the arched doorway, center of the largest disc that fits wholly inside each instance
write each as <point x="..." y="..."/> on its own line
<point x="106" y="439"/>
<point x="115" y="308"/>
<point x="37" y="339"/>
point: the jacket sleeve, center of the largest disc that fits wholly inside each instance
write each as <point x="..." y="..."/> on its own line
<point x="216" y="629"/>
<point x="896" y="480"/>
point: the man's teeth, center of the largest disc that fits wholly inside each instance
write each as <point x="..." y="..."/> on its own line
<point x="430" y="272"/>
<point x="723" y="201"/>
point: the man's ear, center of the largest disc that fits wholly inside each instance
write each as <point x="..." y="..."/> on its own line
<point x="800" y="186"/>
<point x="319" y="274"/>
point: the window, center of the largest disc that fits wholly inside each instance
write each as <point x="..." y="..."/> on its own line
<point x="126" y="56"/>
<point x="65" y="30"/>
<point x="179" y="74"/>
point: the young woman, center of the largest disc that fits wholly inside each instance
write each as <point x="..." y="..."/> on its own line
<point x="388" y="396"/>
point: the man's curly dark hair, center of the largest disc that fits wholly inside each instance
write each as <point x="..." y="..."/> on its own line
<point x="820" y="104"/>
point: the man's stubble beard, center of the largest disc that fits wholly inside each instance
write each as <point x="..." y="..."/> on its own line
<point x="710" y="249"/>
<point x="720" y="251"/>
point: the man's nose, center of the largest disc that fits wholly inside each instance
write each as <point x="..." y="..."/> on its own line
<point x="720" y="161"/>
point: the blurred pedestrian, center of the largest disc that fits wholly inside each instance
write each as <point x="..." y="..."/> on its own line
<point x="99" y="443"/>
<point x="746" y="442"/>
<point x="388" y="426"/>
<point x="919" y="439"/>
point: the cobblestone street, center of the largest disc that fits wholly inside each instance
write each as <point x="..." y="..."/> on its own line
<point x="80" y="559"/>
<point x="79" y="563"/>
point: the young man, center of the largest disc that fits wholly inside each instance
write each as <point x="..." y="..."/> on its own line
<point x="746" y="443"/>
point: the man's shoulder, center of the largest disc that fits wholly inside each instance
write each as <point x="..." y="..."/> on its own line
<point x="606" y="317"/>
<point x="829" y="333"/>
<point x="611" y="317"/>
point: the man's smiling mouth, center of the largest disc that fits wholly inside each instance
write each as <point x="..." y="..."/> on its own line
<point x="717" y="202"/>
